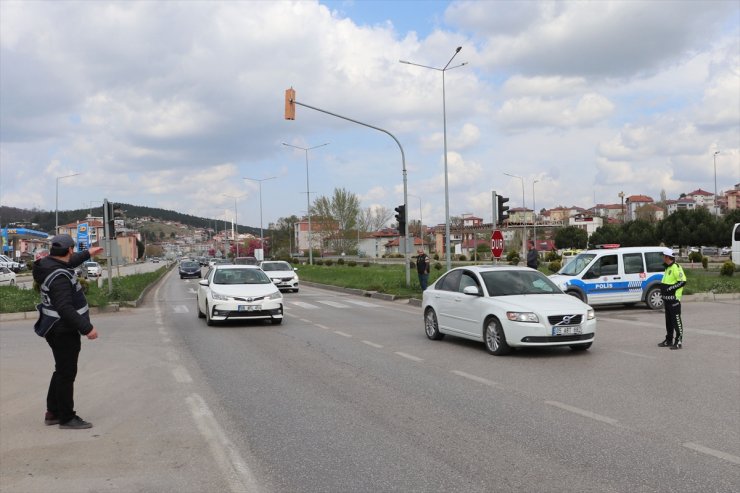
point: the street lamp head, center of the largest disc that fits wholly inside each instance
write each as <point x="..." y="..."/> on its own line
<point x="458" y="49"/>
<point x="716" y="152"/>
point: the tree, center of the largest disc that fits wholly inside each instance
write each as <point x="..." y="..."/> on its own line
<point x="281" y="236"/>
<point x="571" y="237"/>
<point x="337" y="218"/>
<point x="607" y="234"/>
<point x="639" y="233"/>
<point x="374" y="218"/>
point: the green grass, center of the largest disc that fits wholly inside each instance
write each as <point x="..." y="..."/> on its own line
<point x="125" y="289"/>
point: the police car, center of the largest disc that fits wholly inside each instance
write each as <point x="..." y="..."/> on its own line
<point x="603" y="276"/>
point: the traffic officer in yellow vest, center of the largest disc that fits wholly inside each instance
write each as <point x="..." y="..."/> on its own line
<point x="671" y="288"/>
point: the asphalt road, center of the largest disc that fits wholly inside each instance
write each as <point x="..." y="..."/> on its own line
<point x="348" y="395"/>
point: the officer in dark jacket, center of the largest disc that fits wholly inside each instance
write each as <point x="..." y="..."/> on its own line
<point x="64" y="316"/>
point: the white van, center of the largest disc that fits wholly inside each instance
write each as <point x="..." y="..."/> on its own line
<point x="614" y="275"/>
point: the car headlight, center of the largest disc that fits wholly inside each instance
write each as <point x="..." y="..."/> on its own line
<point x="591" y="314"/>
<point x="219" y="297"/>
<point x="274" y="296"/>
<point x="522" y="317"/>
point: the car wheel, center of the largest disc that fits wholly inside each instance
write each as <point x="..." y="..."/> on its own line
<point x="277" y="321"/>
<point x="581" y="347"/>
<point x="653" y="299"/>
<point x="495" y="338"/>
<point x="12" y="282"/>
<point x="431" y="327"/>
<point x="197" y="308"/>
<point x="576" y="294"/>
<point x="208" y="316"/>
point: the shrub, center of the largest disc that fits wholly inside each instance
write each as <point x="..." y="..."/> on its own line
<point x="412" y="264"/>
<point x="437" y="266"/>
<point x="436" y="256"/>
<point x="554" y="266"/>
<point x="551" y="256"/>
<point x="513" y="257"/>
<point x="351" y="263"/>
<point x="328" y="262"/>
<point x="340" y="261"/>
<point x="366" y="264"/>
<point x="727" y="269"/>
<point x="318" y="261"/>
<point x="705" y="262"/>
<point x="462" y="258"/>
<point x="695" y="257"/>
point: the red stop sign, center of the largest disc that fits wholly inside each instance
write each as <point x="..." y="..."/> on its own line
<point x="497" y="243"/>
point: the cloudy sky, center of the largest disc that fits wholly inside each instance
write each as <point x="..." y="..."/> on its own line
<point x="172" y="104"/>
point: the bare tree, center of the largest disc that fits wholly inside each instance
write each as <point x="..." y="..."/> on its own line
<point x="374" y="218"/>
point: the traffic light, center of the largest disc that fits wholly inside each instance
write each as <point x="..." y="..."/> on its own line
<point x="109" y="219"/>
<point x="290" y="104"/>
<point x="502" y="208"/>
<point x="401" y="218"/>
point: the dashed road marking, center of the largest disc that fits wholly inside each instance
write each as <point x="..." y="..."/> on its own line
<point x="583" y="412"/>
<point x="378" y="346"/>
<point x="636" y="354"/>
<point x="409" y="356"/>
<point x="474" y="378"/>
<point x="302" y="304"/>
<point x="322" y="326"/>
<point x="181" y="374"/>
<point x="335" y="304"/>
<point x="343" y="334"/>
<point x="363" y="303"/>
<point x="714" y="453"/>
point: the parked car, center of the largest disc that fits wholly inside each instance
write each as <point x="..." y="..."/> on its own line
<point x="189" y="268"/>
<point x="282" y="274"/>
<point x="725" y="251"/>
<point x="238" y="292"/>
<point x="91" y="269"/>
<point x="506" y="307"/>
<point x="154" y="260"/>
<point x="7" y="277"/>
<point x="11" y="264"/>
<point x="618" y="275"/>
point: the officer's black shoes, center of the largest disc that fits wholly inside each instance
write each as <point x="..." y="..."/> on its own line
<point x="676" y="346"/>
<point x="50" y="419"/>
<point x="75" y="423"/>
<point x="666" y="343"/>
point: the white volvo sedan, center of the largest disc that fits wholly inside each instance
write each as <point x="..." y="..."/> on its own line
<point x="506" y="307"/>
<point x="238" y="292"/>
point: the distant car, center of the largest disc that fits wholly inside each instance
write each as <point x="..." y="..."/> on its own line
<point x="91" y="270"/>
<point x="282" y="274"/>
<point x="246" y="261"/>
<point x="238" y="292"/>
<point x="155" y="260"/>
<point x="506" y="307"/>
<point x="7" y="277"/>
<point x="11" y="264"/>
<point x="725" y="251"/>
<point x="189" y="268"/>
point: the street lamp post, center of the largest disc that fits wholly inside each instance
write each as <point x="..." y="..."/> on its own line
<point x="621" y="196"/>
<point x="524" y="207"/>
<point x="534" y="222"/>
<point x="716" y="209"/>
<point x="236" y="220"/>
<point x="262" y="238"/>
<point x="444" y="126"/>
<point x="308" y="199"/>
<point x="56" y="202"/>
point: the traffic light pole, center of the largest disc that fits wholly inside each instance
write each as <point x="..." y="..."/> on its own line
<point x="107" y="219"/>
<point x="290" y="100"/>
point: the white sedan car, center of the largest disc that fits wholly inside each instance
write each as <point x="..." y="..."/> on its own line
<point x="7" y="277"/>
<point x="282" y="274"/>
<point x="506" y="307"/>
<point x="238" y="292"/>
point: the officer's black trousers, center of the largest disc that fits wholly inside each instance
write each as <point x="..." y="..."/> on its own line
<point x="673" y="324"/>
<point x="66" y="349"/>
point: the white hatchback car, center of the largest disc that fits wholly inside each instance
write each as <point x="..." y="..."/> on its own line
<point x="238" y="292"/>
<point x="506" y="307"/>
<point x="7" y="277"/>
<point x="282" y="274"/>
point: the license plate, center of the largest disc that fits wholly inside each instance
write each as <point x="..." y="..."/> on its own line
<point x="248" y="308"/>
<point x="566" y="330"/>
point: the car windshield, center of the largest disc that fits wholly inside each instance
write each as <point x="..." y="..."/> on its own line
<point x="190" y="264"/>
<point x="91" y="264"/>
<point x="240" y="276"/>
<point x="576" y="266"/>
<point x="514" y="282"/>
<point x="276" y="266"/>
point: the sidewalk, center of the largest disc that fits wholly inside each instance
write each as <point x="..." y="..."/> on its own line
<point x="141" y="393"/>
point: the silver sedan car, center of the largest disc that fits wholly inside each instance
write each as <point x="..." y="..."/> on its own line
<point x="506" y="307"/>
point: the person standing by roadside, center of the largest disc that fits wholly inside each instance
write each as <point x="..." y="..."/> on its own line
<point x="422" y="268"/>
<point x="533" y="259"/>
<point x="63" y="317"/>
<point x="671" y="289"/>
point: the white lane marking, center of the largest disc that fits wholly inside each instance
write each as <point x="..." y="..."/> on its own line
<point x="630" y="322"/>
<point x="636" y="354"/>
<point x="307" y="321"/>
<point x="714" y="333"/>
<point x="225" y="454"/>
<point x="322" y="327"/>
<point x="307" y="306"/>
<point x="362" y="303"/>
<point x="715" y="453"/>
<point x="335" y="304"/>
<point x="378" y="346"/>
<point x="474" y="378"/>
<point x="408" y="356"/>
<point x="289" y="314"/>
<point x="343" y="334"/>
<point x="172" y="355"/>
<point x="180" y="309"/>
<point x="583" y="412"/>
<point x="181" y="374"/>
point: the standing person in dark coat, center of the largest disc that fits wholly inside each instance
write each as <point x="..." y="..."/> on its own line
<point x="422" y="268"/>
<point x="533" y="259"/>
<point x="64" y="316"/>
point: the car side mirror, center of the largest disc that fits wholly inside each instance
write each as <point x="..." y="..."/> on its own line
<point x="203" y="282"/>
<point x="471" y="290"/>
